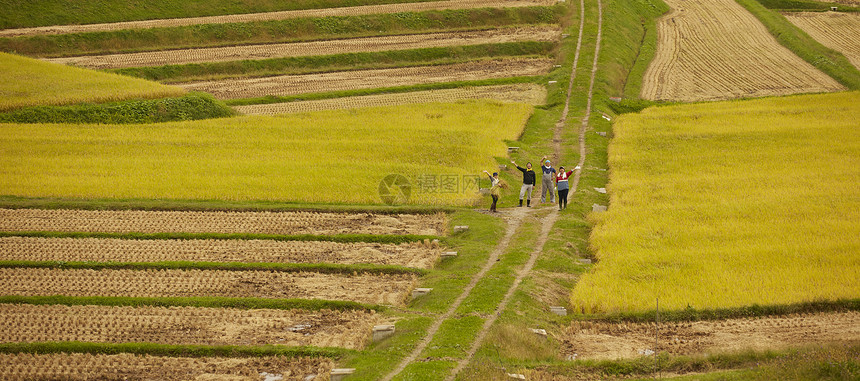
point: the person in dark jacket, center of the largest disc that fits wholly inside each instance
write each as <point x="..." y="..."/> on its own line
<point x="528" y="182"/>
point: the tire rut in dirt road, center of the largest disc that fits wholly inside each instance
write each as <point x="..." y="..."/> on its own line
<point x="513" y="223"/>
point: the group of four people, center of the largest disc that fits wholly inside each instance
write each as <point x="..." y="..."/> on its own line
<point x="549" y="174"/>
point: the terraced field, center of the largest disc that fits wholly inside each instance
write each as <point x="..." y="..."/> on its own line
<point x="390" y="289"/>
<point x="124" y="366"/>
<point x="413" y="254"/>
<point x="185" y="325"/>
<point x="711" y="50"/>
<point x="837" y="31"/>
<point x="326" y="47"/>
<point x="268" y="16"/>
<point x="610" y="341"/>
<point x="284" y="223"/>
<point x="519" y="93"/>
<point x="370" y="79"/>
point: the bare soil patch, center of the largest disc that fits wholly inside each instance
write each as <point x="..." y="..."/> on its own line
<point x="269" y="16"/>
<point x="389" y="289"/>
<point x="609" y="341"/>
<point x="837" y="31"/>
<point x="713" y="50"/>
<point x="313" y="48"/>
<point x="286" y="223"/>
<point x="24" y="323"/>
<point x="370" y="79"/>
<point x="413" y="254"/>
<point x="528" y="93"/>
<point x="125" y="366"/>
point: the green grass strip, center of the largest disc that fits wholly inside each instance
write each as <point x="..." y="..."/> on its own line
<point x="195" y="106"/>
<point x="153" y="349"/>
<point x="386" y="90"/>
<point x="691" y="314"/>
<point x="825" y="59"/>
<point x="343" y="238"/>
<point x="32" y="13"/>
<point x="336" y="62"/>
<point x="201" y="302"/>
<point x="17" y="202"/>
<point x="324" y="268"/>
<point x="290" y="30"/>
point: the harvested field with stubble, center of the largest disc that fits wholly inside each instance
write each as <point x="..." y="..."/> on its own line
<point x="527" y="93"/>
<point x="312" y="48"/>
<point x="370" y="79"/>
<point x="610" y="341"/>
<point x="125" y="366"/>
<point x="837" y="31"/>
<point x="25" y="323"/>
<point x="713" y="50"/>
<point x="413" y="254"/>
<point x="282" y="223"/>
<point x="271" y="16"/>
<point x="388" y="289"/>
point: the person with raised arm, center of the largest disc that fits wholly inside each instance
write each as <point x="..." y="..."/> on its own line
<point x="494" y="189"/>
<point x="547" y="181"/>
<point x="528" y="182"/>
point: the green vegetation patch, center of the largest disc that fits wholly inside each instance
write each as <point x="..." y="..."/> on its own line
<point x="290" y="30"/>
<point x="195" y="106"/>
<point x="729" y="204"/>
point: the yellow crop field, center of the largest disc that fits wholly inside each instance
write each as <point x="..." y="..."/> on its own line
<point x="337" y="156"/>
<point x="730" y="204"/>
<point x="29" y="82"/>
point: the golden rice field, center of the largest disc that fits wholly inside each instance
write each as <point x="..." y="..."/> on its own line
<point x="29" y="82"/>
<point x="330" y="156"/>
<point x="730" y="204"/>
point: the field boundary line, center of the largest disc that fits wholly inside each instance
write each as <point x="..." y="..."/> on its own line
<point x="511" y="227"/>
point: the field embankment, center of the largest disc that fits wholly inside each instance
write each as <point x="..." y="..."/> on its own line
<point x="717" y="50"/>
<point x="729" y="204"/>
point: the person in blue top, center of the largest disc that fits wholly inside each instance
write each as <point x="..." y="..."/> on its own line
<point x="547" y="181"/>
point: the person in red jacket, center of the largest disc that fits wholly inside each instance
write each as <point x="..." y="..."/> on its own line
<point x="561" y="183"/>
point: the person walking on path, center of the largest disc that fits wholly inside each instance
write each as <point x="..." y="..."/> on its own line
<point x="547" y="181"/>
<point x="563" y="187"/>
<point x="528" y="182"/>
<point x="494" y="189"/>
